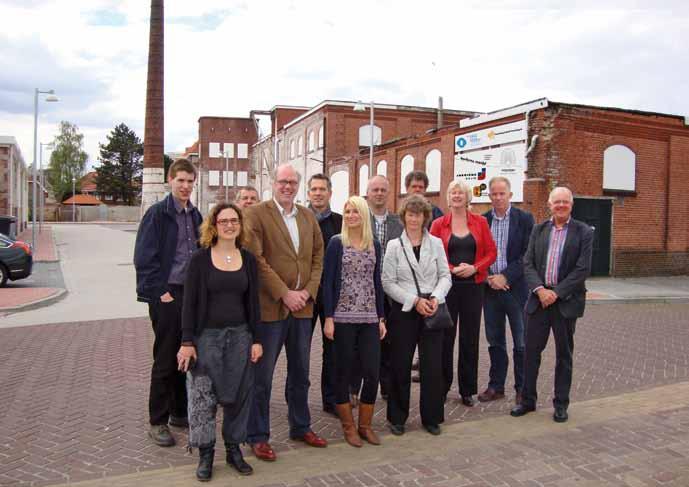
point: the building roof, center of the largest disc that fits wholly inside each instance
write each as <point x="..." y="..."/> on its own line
<point x="88" y="181"/>
<point x="82" y="199"/>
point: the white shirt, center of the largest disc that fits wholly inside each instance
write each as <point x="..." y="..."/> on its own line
<point x="290" y="220"/>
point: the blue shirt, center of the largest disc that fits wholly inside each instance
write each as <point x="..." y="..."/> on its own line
<point x="500" y="228"/>
<point x="186" y="242"/>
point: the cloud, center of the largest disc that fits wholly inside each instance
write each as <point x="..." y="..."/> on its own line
<point x="106" y="18"/>
<point x="203" y="22"/>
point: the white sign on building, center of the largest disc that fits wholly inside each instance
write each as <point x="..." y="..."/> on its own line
<point x="496" y="151"/>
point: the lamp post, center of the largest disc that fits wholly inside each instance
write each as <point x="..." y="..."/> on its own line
<point x="360" y="107"/>
<point x="50" y="98"/>
<point x="74" y="194"/>
<point x="51" y="146"/>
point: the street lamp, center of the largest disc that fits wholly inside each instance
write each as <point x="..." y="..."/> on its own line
<point x="360" y="107"/>
<point x="50" y="98"/>
<point x="74" y="201"/>
<point x="50" y="146"/>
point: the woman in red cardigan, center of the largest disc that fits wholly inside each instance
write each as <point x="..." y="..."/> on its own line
<point x="470" y="251"/>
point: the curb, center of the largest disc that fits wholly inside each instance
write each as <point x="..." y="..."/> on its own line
<point x="641" y="300"/>
<point x="58" y="295"/>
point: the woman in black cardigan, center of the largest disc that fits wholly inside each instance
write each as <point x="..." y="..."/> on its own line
<point x="219" y="348"/>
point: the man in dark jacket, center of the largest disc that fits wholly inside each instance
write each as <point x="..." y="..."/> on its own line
<point x="167" y="236"/>
<point x="506" y="292"/>
<point x="320" y="191"/>
<point x="556" y="265"/>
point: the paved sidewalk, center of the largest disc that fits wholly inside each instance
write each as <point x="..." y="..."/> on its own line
<point x="45" y="250"/>
<point x="638" y="289"/>
<point x="73" y="408"/>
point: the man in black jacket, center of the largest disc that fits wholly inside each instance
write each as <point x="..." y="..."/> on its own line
<point x="320" y="191"/>
<point x="556" y="265"/>
<point x="506" y="292"/>
<point x="167" y="236"/>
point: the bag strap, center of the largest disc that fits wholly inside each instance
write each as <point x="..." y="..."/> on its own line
<point x="418" y="289"/>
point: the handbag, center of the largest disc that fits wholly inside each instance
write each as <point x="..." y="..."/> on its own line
<point x="441" y="319"/>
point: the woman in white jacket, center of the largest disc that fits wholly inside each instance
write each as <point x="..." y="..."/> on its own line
<point x="419" y="252"/>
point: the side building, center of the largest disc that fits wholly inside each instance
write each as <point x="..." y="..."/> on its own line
<point x="14" y="183"/>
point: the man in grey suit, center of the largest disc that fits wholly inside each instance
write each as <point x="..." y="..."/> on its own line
<point x="556" y="265"/>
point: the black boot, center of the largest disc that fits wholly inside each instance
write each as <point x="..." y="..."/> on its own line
<point x="204" y="471"/>
<point x="236" y="459"/>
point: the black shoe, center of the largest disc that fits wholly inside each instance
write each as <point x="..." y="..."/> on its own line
<point x="179" y="421"/>
<point x="560" y="415"/>
<point x="433" y="429"/>
<point x="236" y="459"/>
<point x="204" y="471"/>
<point x="521" y="410"/>
<point x="468" y="401"/>
<point x="397" y="429"/>
<point x="161" y="436"/>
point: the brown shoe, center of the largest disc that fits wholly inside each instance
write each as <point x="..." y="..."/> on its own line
<point x="490" y="394"/>
<point x="365" y="418"/>
<point x="312" y="439"/>
<point x="344" y="411"/>
<point x="263" y="451"/>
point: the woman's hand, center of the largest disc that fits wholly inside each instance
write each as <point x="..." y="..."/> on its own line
<point x="433" y="302"/>
<point x="423" y="307"/>
<point x="256" y="352"/>
<point x="186" y="354"/>
<point x="329" y="329"/>
<point x="464" y="270"/>
<point x="382" y="329"/>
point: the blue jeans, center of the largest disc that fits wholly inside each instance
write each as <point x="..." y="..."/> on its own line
<point x="497" y="306"/>
<point x="295" y="335"/>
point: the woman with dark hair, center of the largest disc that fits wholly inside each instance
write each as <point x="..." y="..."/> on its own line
<point x="219" y="318"/>
<point x="470" y="250"/>
<point x="415" y="257"/>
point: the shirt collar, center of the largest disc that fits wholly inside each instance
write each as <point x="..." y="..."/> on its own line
<point x="384" y="216"/>
<point x="282" y="210"/>
<point x="507" y="213"/>
<point x="178" y="206"/>
<point x="552" y="222"/>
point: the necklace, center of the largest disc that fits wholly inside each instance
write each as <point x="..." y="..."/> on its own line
<point x="228" y="258"/>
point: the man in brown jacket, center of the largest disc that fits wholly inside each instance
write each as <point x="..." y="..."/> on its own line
<point x="286" y="240"/>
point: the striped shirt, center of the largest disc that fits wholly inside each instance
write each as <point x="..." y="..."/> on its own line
<point x="500" y="228"/>
<point x="555" y="246"/>
<point x="381" y="228"/>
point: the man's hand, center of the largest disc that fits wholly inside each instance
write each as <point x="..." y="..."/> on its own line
<point x="305" y="294"/>
<point x="546" y="296"/>
<point x="167" y="298"/>
<point x="382" y="330"/>
<point x="329" y="328"/>
<point x="256" y="352"/>
<point x="498" y="282"/>
<point x="294" y="300"/>
<point x="464" y="270"/>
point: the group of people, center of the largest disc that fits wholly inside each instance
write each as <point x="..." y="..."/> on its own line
<point x="225" y="294"/>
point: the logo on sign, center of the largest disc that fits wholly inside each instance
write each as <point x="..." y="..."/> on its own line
<point x="461" y="142"/>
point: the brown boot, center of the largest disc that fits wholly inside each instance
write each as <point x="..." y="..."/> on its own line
<point x="365" y="430"/>
<point x="344" y="411"/>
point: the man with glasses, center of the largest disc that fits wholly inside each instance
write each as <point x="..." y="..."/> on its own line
<point x="287" y="242"/>
<point x="247" y="196"/>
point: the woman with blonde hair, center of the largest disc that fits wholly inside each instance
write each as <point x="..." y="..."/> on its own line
<point x="354" y="315"/>
<point x="470" y="251"/>
<point x="219" y="345"/>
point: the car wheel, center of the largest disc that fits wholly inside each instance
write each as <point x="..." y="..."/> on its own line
<point x="3" y="275"/>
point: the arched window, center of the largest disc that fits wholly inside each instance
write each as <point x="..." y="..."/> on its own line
<point x="300" y="145"/>
<point x="406" y="167"/>
<point x="320" y="136"/>
<point x="365" y="135"/>
<point x="292" y="151"/>
<point x="433" y="170"/>
<point x="312" y="141"/>
<point x="382" y="168"/>
<point x="363" y="179"/>
<point x="619" y="169"/>
<point x="340" y="180"/>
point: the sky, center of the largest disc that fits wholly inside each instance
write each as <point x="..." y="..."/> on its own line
<point x="226" y="57"/>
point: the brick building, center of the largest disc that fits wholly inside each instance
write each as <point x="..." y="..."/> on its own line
<point x="14" y="183"/>
<point x="329" y="136"/>
<point x="627" y="169"/>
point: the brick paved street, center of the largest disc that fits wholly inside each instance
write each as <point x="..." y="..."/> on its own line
<point x="73" y="408"/>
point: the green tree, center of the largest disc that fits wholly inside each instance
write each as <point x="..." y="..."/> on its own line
<point x="67" y="161"/>
<point x="167" y="162"/>
<point x="121" y="165"/>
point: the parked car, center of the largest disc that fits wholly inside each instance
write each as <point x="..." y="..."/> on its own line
<point x="16" y="260"/>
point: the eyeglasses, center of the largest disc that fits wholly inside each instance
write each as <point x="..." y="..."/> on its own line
<point x="288" y="182"/>
<point x="226" y="223"/>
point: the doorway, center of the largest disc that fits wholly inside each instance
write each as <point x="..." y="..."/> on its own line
<point x="598" y="214"/>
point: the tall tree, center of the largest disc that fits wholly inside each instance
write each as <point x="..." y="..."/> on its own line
<point x="67" y="161"/>
<point x="121" y="165"/>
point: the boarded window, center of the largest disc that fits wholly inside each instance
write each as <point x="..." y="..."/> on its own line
<point x="619" y="169"/>
<point x="406" y="166"/>
<point x="433" y="170"/>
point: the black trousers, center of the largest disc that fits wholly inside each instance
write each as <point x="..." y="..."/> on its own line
<point x="357" y="343"/>
<point x="406" y="330"/>
<point x="464" y="301"/>
<point x="384" y="370"/>
<point x="538" y="325"/>
<point x="168" y="393"/>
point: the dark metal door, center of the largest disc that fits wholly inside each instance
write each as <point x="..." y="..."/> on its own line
<point x="598" y="214"/>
